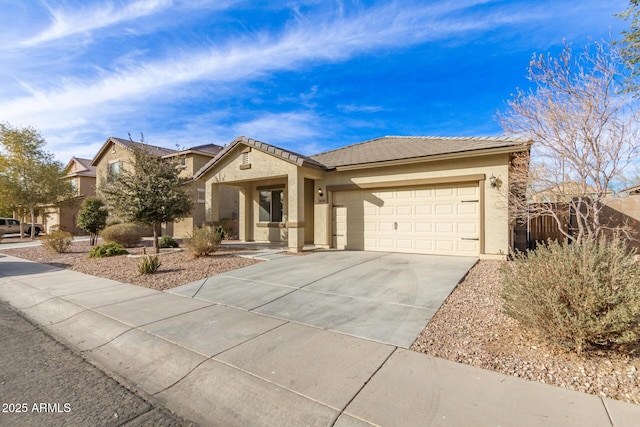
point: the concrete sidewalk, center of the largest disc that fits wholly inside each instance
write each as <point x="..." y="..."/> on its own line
<point x="218" y="365"/>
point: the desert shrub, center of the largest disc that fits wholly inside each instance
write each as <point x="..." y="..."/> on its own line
<point x="149" y="264"/>
<point x="167" y="242"/>
<point x="204" y="241"/>
<point x="229" y="226"/>
<point x="57" y="241"/>
<point x="106" y="250"/>
<point x="578" y="296"/>
<point x="127" y="235"/>
<point x="112" y="221"/>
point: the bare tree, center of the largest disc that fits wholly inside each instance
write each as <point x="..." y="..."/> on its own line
<point x="584" y="128"/>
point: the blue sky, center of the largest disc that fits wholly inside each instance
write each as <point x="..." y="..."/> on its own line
<point x="304" y="75"/>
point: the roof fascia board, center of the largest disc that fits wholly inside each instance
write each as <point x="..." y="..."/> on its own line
<point x="185" y="152"/>
<point x="103" y="149"/>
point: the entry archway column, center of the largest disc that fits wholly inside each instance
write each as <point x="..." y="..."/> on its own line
<point x="295" y="215"/>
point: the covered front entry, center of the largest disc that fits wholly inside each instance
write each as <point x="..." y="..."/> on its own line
<point x="439" y="220"/>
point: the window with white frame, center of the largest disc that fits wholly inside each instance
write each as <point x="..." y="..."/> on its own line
<point x="271" y="203"/>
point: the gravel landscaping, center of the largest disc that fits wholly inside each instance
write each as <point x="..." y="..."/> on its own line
<point x="471" y="328"/>
<point x="178" y="268"/>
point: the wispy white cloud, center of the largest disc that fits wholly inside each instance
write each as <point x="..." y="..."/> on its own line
<point x="137" y="83"/>
<point x="241" y="59"/>
<point x="65" y="23"/>
<point x="354" y="108"/>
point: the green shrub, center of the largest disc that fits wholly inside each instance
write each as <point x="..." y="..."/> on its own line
<point x="106" y="250"/>
<point x="167" y="242"/>
<point x="577" y="296"/>
<point x="127" y="235"/>
<point x="204" y="241"/>
<point x="112" y="221"/>
<point x="149" y="264"/>
<point x="57" y="241"/>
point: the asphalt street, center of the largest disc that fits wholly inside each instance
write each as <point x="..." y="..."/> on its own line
<point x="45" y="383"/>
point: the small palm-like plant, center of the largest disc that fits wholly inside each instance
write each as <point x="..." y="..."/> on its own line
<point x="149" y="265"/>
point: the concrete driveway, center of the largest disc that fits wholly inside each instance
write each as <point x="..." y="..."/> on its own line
<point x="384" y="297"/>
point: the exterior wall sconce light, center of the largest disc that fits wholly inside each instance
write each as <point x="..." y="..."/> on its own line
<point x="493" y="181"/>
<point x="320" y="193"/>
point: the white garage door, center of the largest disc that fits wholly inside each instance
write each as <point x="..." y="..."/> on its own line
<point x="443" y="220"/>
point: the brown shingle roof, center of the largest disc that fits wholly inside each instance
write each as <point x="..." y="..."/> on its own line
<point x="207" y="148"/>
<point x="152" y="149"/>
<point x="88" y="169"/>
<point x="390" y="148"/>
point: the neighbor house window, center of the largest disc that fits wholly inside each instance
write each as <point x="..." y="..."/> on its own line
<point x="183" y="162"/>
<point x="201" y="195"/>
<point x="74" y="185"/>
<point x="113" y="171"/>
<point x="271" y="205"/>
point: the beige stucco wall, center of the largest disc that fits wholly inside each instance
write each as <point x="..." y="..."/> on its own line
<point x="628" y="207"/>
<point x="494" y="203"/>
<point x="86" y="186"/>
<point x="113" y="153"/>
<point x="193" y="162"/>
<point x="267" y="169"/>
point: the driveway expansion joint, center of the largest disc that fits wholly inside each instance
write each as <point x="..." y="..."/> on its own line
<point x="606" y="410"/>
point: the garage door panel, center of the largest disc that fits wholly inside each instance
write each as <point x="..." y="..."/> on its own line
<point x="424" y="209"/>
<point x="424" y="246"/>
<point x="370" y="210"/>
<point x="405" y="210"/>
<point x="444" y="245"/>
<point x="468" y="191"/>
<point x="385" y="226"/>
<point x="444" y="227"/>
<point x="405" y="227"/>
<point x="444" y="192"/>
<point x="447" y="209"/>
<point x="434" y="220"/>
<point x="405" y="244"/>
<point x="467" y="228"/>
<point x="386" y="243"/>
<point x="468" y="245"/>
<point x="467" y="209"/>
<point x="427" y="193"/>
<point x="424" y="227"/>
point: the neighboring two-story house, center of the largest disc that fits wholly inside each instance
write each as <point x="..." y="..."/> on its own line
<point x="82" y="176"/>
<point x="115" y="155"/>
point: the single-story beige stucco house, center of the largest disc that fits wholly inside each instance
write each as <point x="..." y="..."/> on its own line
<point x="427" y="195"/>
